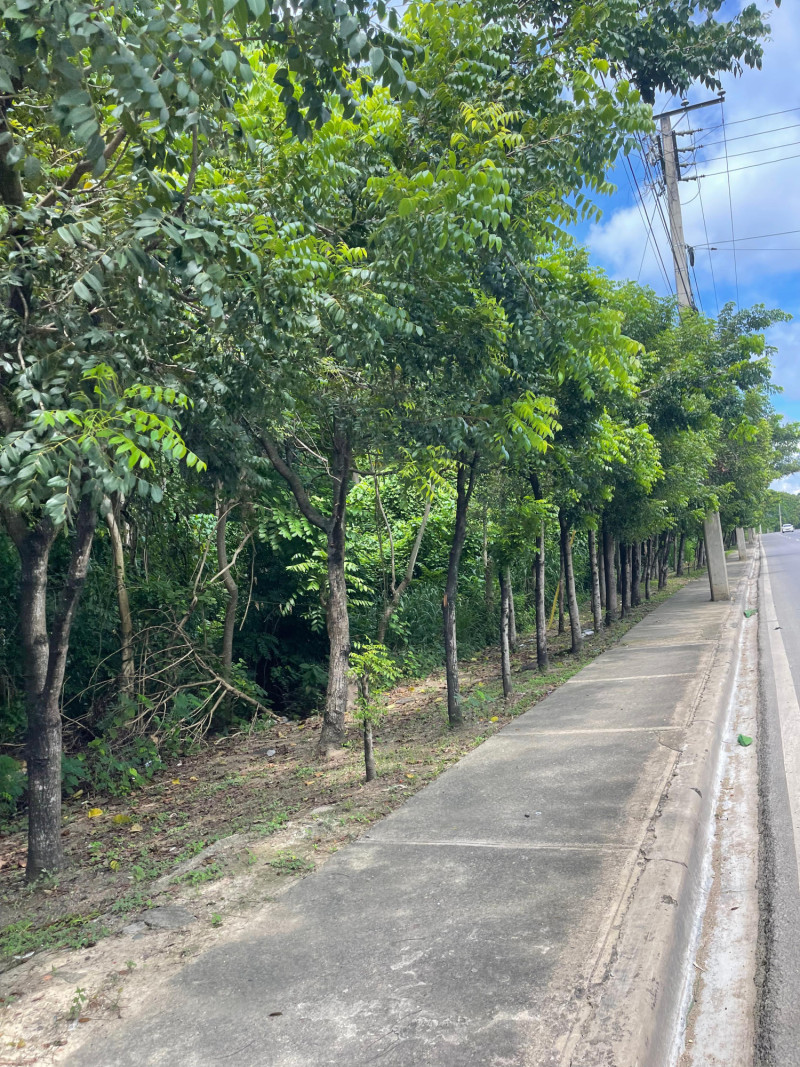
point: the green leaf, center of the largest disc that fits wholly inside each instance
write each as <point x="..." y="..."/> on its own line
<point x="82" y="291"/>
<point x="230" y="60"/>
<point x="744" y="740"/>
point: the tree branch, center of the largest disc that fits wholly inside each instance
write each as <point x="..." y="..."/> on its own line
<point x="315" y="517"/>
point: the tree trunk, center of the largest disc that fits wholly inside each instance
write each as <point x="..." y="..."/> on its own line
<point x="663" y="565"/>
<point x="488" y="583"/>
<point x="636" y="574"/>
<point x="370" y="774"/>
<point x="125" y="676"/>
<point x="541" y="605"/>
<point x="611" y="581"/>
<point x="598" y="545"/>
<point x="560" y="592"/>
<point x="465" y="483"/>
<point x="512" y="616"/>
<point x="399" y="590"/>
<point x="623" y="574"/>
<point x="569" y="583"/>
<point x="44" y="711"/>
<point x="681" y="546"/>
<point x="223" y="510"/>
<point x="647" y="565"/>
<point x="505" y="620"/>
<point x="597" y="603"/>
<point x="338" y="619"/>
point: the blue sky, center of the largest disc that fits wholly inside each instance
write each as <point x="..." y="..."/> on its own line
<point x="762" y="124"/>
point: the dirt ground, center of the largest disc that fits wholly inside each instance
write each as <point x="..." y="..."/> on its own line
<point x="220" y="834"/>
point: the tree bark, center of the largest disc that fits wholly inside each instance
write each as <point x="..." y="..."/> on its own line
<point x="488" y="584"/>
<point x="560" y="591"/>
<point x="44" y="713"/>
<point x="601" y="569"/>
<point x="223" y="509"/>
<point x="597" y="604"/>
<point x="370" y="774"/>
<point x="611" y="581"/>
<point x="623" y="574"/>
<point x="663" y="564"/>
<point x="512" y="616"/>
<point x="504" y="577"/>
<point x="398" y="591"/>
<point x="681" y="546"/>
<point x="541" y="605"/>
<point x="465" y="483"/>
<point x="338" y="618"/>
<point x="646" y="564"/>
<point x="569" y="581"/>
<point x="636" y="574"/>
<point x="125" y="676"/>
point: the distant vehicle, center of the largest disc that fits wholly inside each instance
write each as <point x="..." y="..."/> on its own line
<point x="787" y="528"/>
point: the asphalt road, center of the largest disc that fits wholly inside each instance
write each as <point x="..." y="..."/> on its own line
<point x="779" y="772"/>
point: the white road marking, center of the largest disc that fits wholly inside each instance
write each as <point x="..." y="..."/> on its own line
<point x="788" y="711"/>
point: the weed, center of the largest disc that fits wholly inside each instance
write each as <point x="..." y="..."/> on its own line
<point x="133" y="901"/>
<point x="216" y="919"/>
<point x="73" y="931"/>
<point x="276" y="818"/>
<point x="288" y="863"/>
<point x="204" y="874"/>
<point x="78" y="1002"/>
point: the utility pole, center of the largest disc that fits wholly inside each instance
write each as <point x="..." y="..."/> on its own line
<point x="780" y="518"/>
<point x="712" y="525"/>
<point x="672" y="176"/>
<point x="672" y="172"/>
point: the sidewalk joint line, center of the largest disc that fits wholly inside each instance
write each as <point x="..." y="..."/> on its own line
<point x="519" y="847"/>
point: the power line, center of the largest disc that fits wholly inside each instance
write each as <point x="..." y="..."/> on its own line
<point x="646" y="243"/>
<point x="713" y="248"/>
<point x="652" y="181"/>
<point x="638" y="197"/>
<point x="752" y="152"/>
<point x="748" y="136"/>
<point x="697" y="290"/>
<point x="756" y="237"/>
<point x="710" y="257"/>
<point x="750" y="166"/>
<point x="730" y="204"/>
<point x="755" y="118"/>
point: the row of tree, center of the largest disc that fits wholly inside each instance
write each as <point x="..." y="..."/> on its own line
<point x="267" y="267"/>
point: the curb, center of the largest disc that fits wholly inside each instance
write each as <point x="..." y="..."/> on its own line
<point x="636" y="1011"/>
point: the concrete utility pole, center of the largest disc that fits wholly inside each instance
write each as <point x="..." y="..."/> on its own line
<point x="741" y="543"/>
<point x="672" y="174"/>
<point x="712" y="525"/>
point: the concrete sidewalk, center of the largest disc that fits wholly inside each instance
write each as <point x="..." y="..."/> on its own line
<point x="466" y="929"/>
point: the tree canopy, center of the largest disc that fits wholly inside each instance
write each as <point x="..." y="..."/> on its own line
<point x="298" y="353"/>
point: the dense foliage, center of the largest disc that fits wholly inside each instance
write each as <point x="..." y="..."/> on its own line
<point x="299" y="360"/>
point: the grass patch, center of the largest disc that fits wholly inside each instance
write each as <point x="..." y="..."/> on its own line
<point x="71" y="931"/>
<point x="289" y="863"/>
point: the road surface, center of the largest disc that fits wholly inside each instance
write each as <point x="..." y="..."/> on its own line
<point x="779" y="766"/>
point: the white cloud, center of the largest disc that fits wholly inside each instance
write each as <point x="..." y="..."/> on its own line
<point x="790" y="484"/>
<point x="786" y="370"/>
